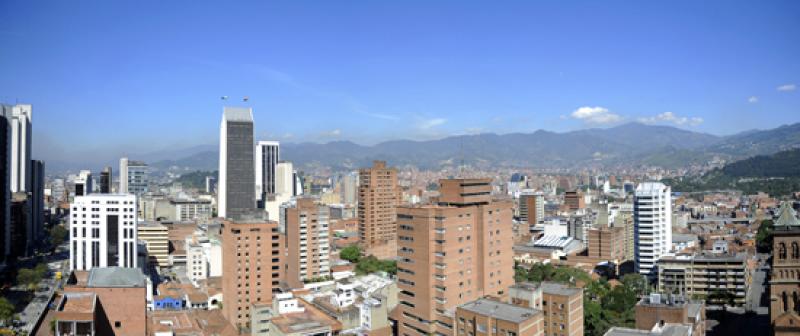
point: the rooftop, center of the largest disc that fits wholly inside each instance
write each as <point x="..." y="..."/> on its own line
<point x="787" y="216"/>
<point x="310" y="320"/>
<point x="559" y="289"/>
<point x="237" y="114"/>
<point x="116" y="277"/>
<point x="499" y="310"/>
<point x="668" y="330"/>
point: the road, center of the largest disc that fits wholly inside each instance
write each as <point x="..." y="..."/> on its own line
<point x="38" y="304"/>
<point x="757" y="300"/>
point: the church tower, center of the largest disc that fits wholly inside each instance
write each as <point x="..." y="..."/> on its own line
<point x="785" y="278"/>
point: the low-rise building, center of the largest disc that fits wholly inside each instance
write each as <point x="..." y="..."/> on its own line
<point x="656" y="311"/>
<point x="490" y="317"/>
<point x="562" y="305"/>
<point x="718" y="278"/>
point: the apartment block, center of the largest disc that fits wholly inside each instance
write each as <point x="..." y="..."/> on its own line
<point x="304" y="223"/>
<point x="494" y="318"/>
<point x="378" y="198"/>
<point x="712" y="276"/>
<point x="573" y="200"/>
<point x="607" y="243"/>
<point x="531" y="207"/>
<point x="156" y="238"/>
<point x="652" y="211"/>
<point x="252" y="252"/>
<point x="103" y="231"/>
<point x="562" y="305"/>
<point x="452" y="253"/>
<point x="658" y="310"/>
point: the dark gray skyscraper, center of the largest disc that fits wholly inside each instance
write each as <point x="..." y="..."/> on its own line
<point x="236" y="189"/>
<point x="5" y="182"/>
<point x="105" y="181"/>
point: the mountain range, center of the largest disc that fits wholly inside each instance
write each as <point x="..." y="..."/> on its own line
<point x="630" y="144"/>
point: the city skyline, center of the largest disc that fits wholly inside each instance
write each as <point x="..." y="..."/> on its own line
<point x="327" y="71"/>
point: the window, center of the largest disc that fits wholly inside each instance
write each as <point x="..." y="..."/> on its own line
<point x="117" y="324"/>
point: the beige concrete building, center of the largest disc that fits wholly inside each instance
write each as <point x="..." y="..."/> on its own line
<point x="252" y="253"/>
<point x="304" y="223"/>
<point x="156" y="237"/>
<point x="378" y="197"/>
<point x="452" y="253"/>
<point x="495" y="318"/>
<point x="562" y="305"/>
<point x="706" y="275"/>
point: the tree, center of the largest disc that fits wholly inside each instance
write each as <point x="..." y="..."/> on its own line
<point x="635" y="282"/>
<point x="351" y="253"/>
<point x="6" y="310"/>
<point x="764" y="236"/>
<point x="58" y="234"/>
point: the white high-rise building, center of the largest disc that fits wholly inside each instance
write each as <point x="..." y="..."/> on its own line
<point x="103" y="231"/>
<point x="21" y="147"/>
<point x="267" y="155"/>
<point x="350" y="188"/>
<point x="83" y="184"/>
<point x="123" y="176"/>
<point x="284" y="178"/>
<point x="652" y="213"/>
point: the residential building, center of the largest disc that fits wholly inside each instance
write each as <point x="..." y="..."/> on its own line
<point x="562" y="305"/>
<point x="531" y="207"/>
<point x="252" y="253"/>
<point x="103" y="231"/>
<point x="290" y="316"/>
<point x="304" y="223"/>
<point x="133" y="177"/>
<point x="785" y="274"/>
<point x="377" y="209"/>
<point x="607" y="243"/>
<point x="574" y="200"/>
<point x="236" y="190"/>
<point x="719" y="278"/>
<point x="652" y="212"/>
<point x="494" y="318"/>
<point x="156" y="238"/>
<point x="350" y="188"/>
<point x="192" y="209"/>
<point x="452" y="253"/>
<point x="658" y="310"/>
<point x="267" y="156"/>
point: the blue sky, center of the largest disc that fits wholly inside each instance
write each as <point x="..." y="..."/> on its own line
<point x="114" y="76"/>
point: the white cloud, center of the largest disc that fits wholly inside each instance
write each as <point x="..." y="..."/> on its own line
<point x="595" y="115"/>
<point x="332" y="133"/>
<point x="752" y="99"/>
<point x="672" y="118"/>
<point x="787" y="87"/>
<point x="430" y="123"/>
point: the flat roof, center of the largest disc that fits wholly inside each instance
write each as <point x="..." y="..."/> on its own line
<point x="499" y="310"/>
<point x="559" y="289"/>
<point x="116" y="277"/>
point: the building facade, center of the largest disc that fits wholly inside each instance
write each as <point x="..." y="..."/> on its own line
<point x="607" y="243"/>
<point x="378" y="197"/>
<point x="452" y="253"/>
<point x="785" y="277"/>
<point x="252" y="253"/>
<point x="133" y="177"/>
<point x="267" y="157"/>
<point x="236" y="190"/>
<point x="718" y="278"/>
<point x="494" y="318"/>
<point x="156" y="238"/>
<point x="106" y="177"/>
<point x="103" y="231"/>
<point x="652" y="215"/>
<point x="562" y="305"/>
<point x="305" y="224"/>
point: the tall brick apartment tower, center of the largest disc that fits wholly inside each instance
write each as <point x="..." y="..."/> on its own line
<point x="451" y="253"/>
<point x="251" y="263"/>
<point x="378" y="197"/>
